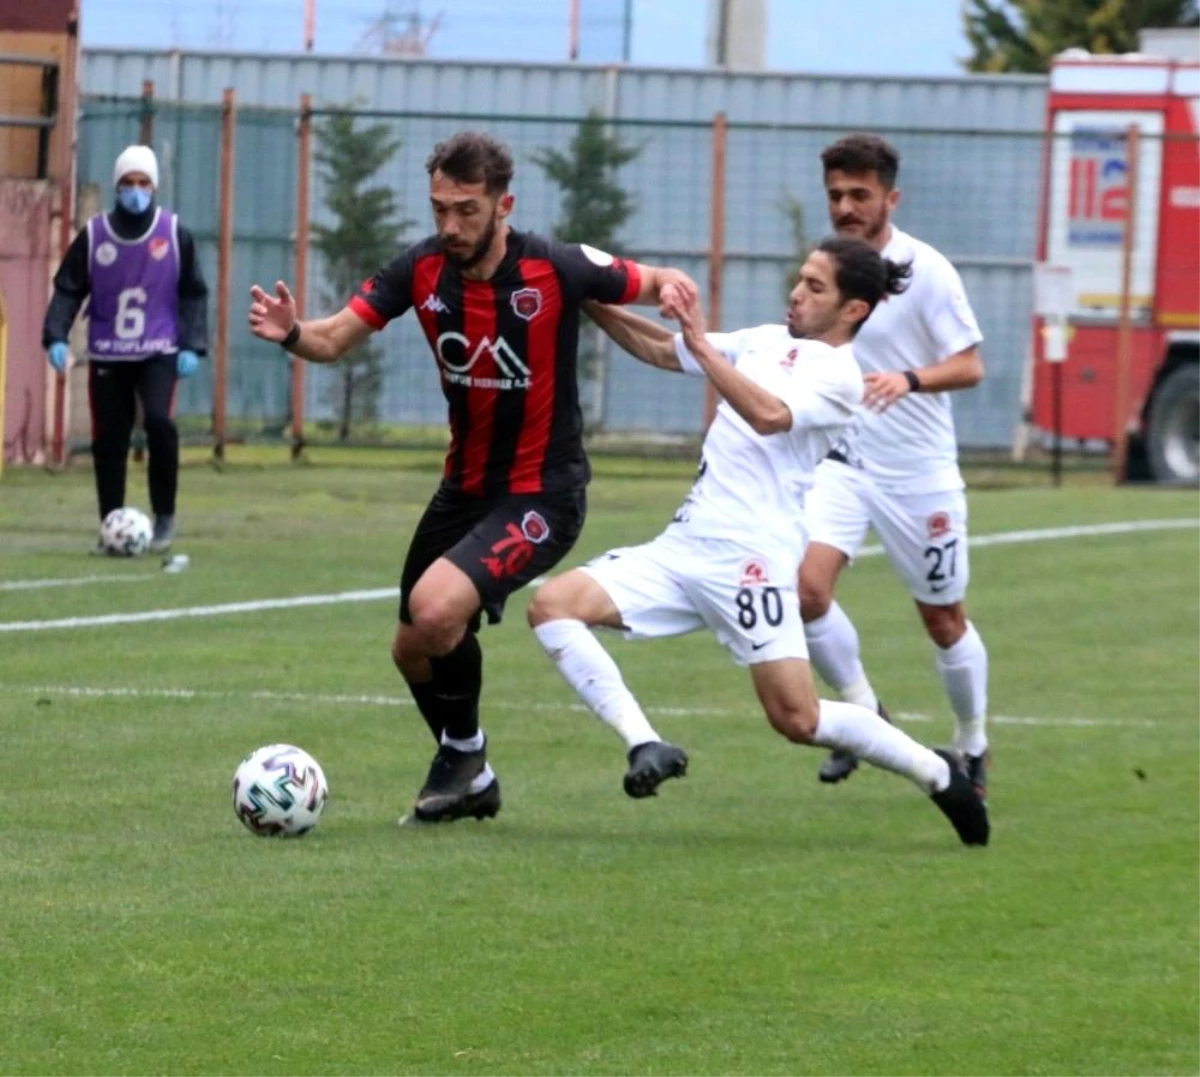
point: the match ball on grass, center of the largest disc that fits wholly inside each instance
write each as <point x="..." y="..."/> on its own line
<point x="126" y="532"/>
<point x="279" y="791"/>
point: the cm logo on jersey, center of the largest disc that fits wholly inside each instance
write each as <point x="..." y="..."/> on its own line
<point x="458" y="359"/>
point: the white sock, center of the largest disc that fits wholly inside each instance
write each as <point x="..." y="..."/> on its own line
<point x="834" y="650"/>
<point x="863" y="732"/>
<point x="964" y="672"/>
<point x="471" y="744"/>
<point x="483" y="779"/>
<point x="590" y="670"/>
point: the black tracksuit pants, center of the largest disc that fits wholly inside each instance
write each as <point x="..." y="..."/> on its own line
<point x="113" y="391"/>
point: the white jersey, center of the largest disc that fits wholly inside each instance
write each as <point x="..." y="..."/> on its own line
<point x="754" y="484"/>
<point x="911" y="448"/>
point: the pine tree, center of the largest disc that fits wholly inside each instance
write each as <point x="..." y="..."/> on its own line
<point x="594" y="207"/>
<point x="793" y="210"/>
<point x="366" y="234"/>
<point x="1024" y="35"/>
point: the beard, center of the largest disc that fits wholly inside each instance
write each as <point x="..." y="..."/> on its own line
<point x="871" y="229"/>
<point x="477" y="253"/>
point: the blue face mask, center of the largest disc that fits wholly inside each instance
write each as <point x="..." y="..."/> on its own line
<point x="134" y="199"/>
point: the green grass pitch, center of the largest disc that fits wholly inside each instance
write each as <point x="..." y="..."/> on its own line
<point x="746" y="921"/>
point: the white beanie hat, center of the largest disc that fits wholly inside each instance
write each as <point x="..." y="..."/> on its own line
<point x="136" y="159"/>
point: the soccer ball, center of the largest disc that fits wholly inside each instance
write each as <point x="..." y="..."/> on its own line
<point x="279" y="791"/>
<point x="126" y="532"/>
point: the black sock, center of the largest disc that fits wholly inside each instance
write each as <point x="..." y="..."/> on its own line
<point x="457" y="680"/>
<point x="429" y="705"/>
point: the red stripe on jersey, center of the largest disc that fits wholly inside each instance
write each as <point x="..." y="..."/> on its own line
<point x="479" y="328"/>
<point x="367" y="312"/>
<point x="426" y="275"/>
<point x="541" y="353"/>
<point x="634" y="284"/>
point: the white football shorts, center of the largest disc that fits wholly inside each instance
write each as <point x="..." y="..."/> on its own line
<point x="744" y="592"/>
<point x="923" y="535"/>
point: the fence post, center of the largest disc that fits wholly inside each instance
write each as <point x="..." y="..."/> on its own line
<point x="224" y="265"/>
<point x="716" y="251"/>
<point x="303" y="164"/>
<point x="146" y="127"/>
<point x="1133" y="148"/>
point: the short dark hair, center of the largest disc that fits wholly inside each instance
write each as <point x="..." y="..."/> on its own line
<point x="860" y="154"/>
<point x="473" y="157"/>
<point x="863" y="273"/>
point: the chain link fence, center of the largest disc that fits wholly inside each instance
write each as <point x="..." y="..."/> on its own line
<point x="972" y="194"/>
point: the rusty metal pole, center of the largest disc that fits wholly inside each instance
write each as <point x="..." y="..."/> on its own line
<point x="1133" y="147"/>
<point x="300" y="288"/>
<point x="146" y="127"/>
<point x="716" y="252"/>
<point x="224" y="266"/>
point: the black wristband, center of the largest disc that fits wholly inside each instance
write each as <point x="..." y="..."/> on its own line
<point x="293" y="336"/>
<point x="914" y="383"/>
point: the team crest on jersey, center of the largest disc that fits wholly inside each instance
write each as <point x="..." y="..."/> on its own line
<point x="939" y="525"/>
<point x="158" y="248"/>
<point x="526" y="302"/>
<point x="106" y="253"/>
<point x="534" y="527"/>
<point x="753" y="572"/>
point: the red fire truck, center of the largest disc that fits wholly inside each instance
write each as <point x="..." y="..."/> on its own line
<point x="1085" y="211"/>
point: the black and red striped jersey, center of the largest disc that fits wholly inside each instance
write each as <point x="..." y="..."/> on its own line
<point x="506" y="349"/>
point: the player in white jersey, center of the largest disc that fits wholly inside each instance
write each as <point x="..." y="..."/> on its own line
<point x="728" y="560"/>
<point x="897" y="470"/>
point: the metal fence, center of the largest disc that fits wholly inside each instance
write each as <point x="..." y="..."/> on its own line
<point x="972" y="193"/>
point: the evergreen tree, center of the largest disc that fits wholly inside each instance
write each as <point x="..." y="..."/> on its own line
<point x="366" y="234"/>
<point x="594" y="207"/>
<point x="793" y="210"/>
<point x="1024" y="35"/>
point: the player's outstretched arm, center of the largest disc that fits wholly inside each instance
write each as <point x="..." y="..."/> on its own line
<point x="669" y="288"/>
<point x="321" y="340"/>
<point x="642" y="338"/>
<point x="763" y="410"/>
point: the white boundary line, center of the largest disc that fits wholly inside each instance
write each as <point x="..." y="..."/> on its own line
<point x="1000" y="538"/>
<point x="266" y="695"/>
<point x="72" y="581"/>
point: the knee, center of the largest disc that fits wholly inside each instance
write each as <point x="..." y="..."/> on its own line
<point x="550" y="603"/>
<point x="816" y="596"/>
<point x="158" y="424"/>
<point x="436" y="628"/>
<point x="946" y="625"/>
<point x="794" y="722"/>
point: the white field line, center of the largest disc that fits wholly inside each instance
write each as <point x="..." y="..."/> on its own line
<point x="72" y="581"/>
<point x="347" y="700"/>
<point x="1000" y="538"/>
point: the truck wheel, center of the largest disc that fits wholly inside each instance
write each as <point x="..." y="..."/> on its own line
<point x="1173" y="426"/>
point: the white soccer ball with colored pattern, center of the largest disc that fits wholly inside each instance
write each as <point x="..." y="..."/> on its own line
<point x="279" y="791"/>
<point x="126" y="532"/>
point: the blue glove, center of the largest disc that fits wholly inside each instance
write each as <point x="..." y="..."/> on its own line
<point x="58" y="356"/>
<point x="186" y="364"/>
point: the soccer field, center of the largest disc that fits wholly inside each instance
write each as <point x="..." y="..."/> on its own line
<point x="746" y="921"/>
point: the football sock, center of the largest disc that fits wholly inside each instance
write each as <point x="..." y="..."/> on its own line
<point x="590" y="670"/>
<point x="834" y="650"/>
<point x="457" y="680"/>
<point x="964" y="672"/>
<point x="483" y="779"/>
<point x="428" y="704"/>
<point x="863" y="732"/>
<point x="466" y="744"/>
